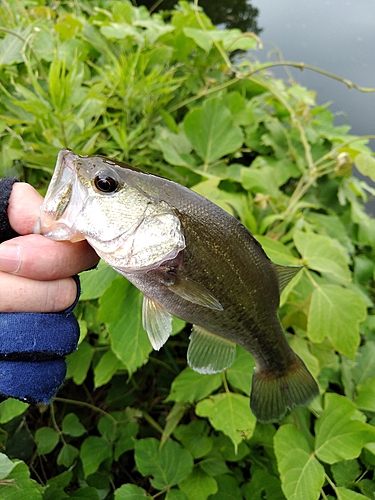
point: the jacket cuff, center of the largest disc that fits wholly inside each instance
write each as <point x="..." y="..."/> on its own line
<point x="6" y="231"/>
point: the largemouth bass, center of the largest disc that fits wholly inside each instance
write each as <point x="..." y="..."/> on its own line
<point x="190" y="259"/>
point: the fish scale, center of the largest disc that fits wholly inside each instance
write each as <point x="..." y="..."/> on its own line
<point x="192" y="260"/>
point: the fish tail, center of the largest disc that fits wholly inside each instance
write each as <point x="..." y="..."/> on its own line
<point x="274" y="393"/>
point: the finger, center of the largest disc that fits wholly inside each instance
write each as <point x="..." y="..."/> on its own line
<point x="36" y="257"/>
<point x="24" y="206"/>
<point x="25" y="295"/>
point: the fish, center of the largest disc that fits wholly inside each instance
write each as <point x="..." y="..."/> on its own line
<point x="190" y="259"/>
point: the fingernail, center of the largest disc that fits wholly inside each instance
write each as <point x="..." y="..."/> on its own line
<point x="10" y="258"/>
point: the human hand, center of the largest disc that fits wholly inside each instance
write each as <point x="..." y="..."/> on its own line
<point x="35" y="271"/>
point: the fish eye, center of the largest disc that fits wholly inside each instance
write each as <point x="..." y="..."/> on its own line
<point x="105" y="183"/>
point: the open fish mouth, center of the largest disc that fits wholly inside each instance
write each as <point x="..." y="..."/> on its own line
<point x="60" y="206"/>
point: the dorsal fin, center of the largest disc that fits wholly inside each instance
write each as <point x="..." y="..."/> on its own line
<point x="209" y="353"/>
<point x="285" y="274"/>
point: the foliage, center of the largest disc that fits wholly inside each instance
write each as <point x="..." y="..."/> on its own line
<point x="172" y="94"/>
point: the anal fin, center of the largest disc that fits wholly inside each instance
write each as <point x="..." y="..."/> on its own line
<point x="192" y="291"/>
<point x="157" y="322"/>
<point x="209" y="353"/>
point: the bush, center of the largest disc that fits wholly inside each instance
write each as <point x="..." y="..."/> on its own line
<point x="172" y="94"/>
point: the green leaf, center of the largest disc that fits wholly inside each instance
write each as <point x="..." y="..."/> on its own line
<point x="365" y="163"/>
<point x="168" y="465"/>
<point x="194" y="438"/>
<point x="228" y="488"/>
<point x="72" y="426"/>
<point x="345" y="494"/>
<point x="11" y="47"/>
<point x="67" y="455"/>
<point x="106" y="368"/>
<point x="120" y="307"/>
<point x="78" y="363"/>
<point x="199" y="485"/>
<point x="277" y="251"/>
<point x="229" y="413"/>
<point x="190" y="386"/>
<point x="263" y="485"/>
<point x="211" y="131"/>
<point x="340" y="431"/>
<point x="346" y="472"/>
<point x="239" y="374"/>
<point x="94" y="451"/>
<point x="130" y="492"/>
<point x="365" y="395"/>
<point x="19" y="486"/>
<point x="96" y="281"/>
<point x="364" y="363"/>
<point x="6" y="466"/>
<point x="175" y="494"/>
<point x="46" y="439"/>
<point x="336" y="312"/>
<point x="323" y="254"/>
<point x="11" y="408"/>
<point x="302" y="476"/>
<point x="200" y="37"/>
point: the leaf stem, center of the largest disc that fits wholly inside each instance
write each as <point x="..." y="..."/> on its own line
<point x="152" y="422"/>
<point x="87" y="405"/>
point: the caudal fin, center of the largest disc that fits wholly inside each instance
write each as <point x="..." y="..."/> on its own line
<point x="274" y="393"/>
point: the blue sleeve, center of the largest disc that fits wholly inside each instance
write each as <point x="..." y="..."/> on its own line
<point x="33" y="346"/>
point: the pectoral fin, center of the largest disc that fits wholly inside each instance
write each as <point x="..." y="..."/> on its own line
<point x="208" y="353"/>
<point x="157" y="322"/>
<point x="194" y="292"/>
<point x="285" y="274"/>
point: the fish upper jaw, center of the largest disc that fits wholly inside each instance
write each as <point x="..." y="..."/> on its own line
<point x="63" y="202"/>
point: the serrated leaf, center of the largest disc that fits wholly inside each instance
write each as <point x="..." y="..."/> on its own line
<point x="365" y="163"/>
<point x="302" y="476"/>
<point x="323" y="254"/>
<point x="106" y="368"/>
<point x="200" y="37"/>
<point x="229" y="413"/>
<point x="96" y="281"/>
<point x="345" y="494"/>
<point x="194" y="438"/>
<point x="19" y="485"/>
<point x="364" y="363"/>
<point x="130" y="492"/>
<point x="121" y="307"/>
<point x="365" y="395"/>
<point x="78" y="363"/>
<point x="11" y="47"/>
<point x="94" y="451"/>
<point x="46" y="439"/>
<point x="6" y="466"/>
<point x="239" y="374"/>
<point x="277" y="251"/>
<point x="228" y="488"/>
<point x="211" y="131"/>
<point x="199" y="485"/>
<point x="168" y="465"/>
<point x="175" y="494"/>
<point x="340" y="431"/>
<point x="190" y="386"/>
<point x="336" y="312"/>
